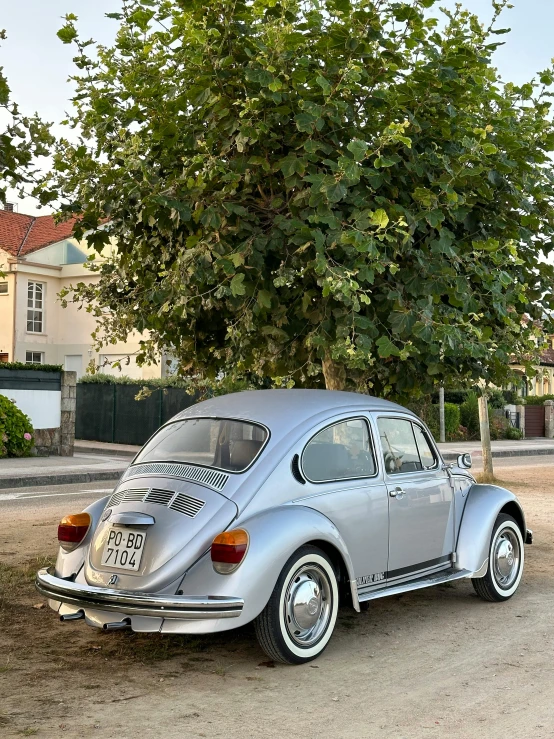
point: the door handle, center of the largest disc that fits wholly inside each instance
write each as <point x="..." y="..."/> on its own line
<point x="397" y="493"/>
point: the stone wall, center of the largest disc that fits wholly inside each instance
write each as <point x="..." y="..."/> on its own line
<point x="69" y="402"/>
<point x="46" y="442"/>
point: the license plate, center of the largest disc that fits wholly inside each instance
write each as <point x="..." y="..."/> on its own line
<point x="124" y="548"/>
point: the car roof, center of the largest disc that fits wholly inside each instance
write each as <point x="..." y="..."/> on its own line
<point x="291" y="407"/>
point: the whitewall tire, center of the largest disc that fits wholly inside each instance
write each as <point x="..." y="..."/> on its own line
<point x="298" y="621"/>
<point x="506" y="560"/>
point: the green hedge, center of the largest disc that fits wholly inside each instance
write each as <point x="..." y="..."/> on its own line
<point x="202" y="388"/>
<point x="537" y="400"/>
<point x="100" y="378"/>
<point x="25" y="366"/>
<point x="430" y="415"/>
<point x="14" y="426"/>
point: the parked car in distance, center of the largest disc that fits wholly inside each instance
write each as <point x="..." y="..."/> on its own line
<point x="273" y="506"/>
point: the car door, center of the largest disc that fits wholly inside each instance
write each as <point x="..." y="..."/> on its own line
<point x="344" y="482"/>
<point x="420" y="499"/>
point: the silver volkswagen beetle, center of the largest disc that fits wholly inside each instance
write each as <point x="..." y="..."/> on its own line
<point x="274" y="505"/>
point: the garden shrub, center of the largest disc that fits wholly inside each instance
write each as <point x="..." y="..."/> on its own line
<point x="16" y="431"/>
<point x="469" y="415"/>
<point x="513" y="433"/>
<point x="497" y="399"/>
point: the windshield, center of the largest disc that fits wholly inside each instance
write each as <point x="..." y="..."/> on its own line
<point x="212" y="442"/>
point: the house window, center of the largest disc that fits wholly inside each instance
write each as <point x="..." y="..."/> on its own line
<point x="35" y="307"/>
<point x="33" y="357"/>
<point x="3" y="288"/>
<point x="4" y="357"/>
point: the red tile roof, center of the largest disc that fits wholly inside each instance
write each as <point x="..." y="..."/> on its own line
<point x="21" y="234"/>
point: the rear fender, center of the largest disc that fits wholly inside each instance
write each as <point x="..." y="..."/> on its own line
<point x="274" y="535"/>
<point x="69" y="563"/>
<point x="484" y="503"/>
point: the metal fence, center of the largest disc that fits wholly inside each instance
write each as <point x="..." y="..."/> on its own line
<point x="110" y="413"/>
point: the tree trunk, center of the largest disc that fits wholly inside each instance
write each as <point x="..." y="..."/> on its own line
<point x="334" y="374"/>
<point x="442" y="427"/>
<point x="488" y="470"/>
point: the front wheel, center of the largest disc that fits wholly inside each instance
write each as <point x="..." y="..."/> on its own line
<point x="298" y="621"/>
<point x="506" y="558"/>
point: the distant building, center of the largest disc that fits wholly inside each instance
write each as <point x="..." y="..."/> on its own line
<point x="40" y="258"/>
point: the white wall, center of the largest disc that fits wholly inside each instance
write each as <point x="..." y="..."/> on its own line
<point x="42" y="406"/>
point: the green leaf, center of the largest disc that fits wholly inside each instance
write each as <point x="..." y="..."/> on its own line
<point x="434" y="218"/>
<point x="358" y="149"/>
<point x="335" y="192"/>
<point x="304" y="122"/>
<point x="264" y="298"/>
<point x="324" y="84"/>
<point x="489" y="149"/>
<point x="67" y="33"/>
<point x="379" y="219"/>
<point x="237" y="286"/>
<point x="386" y="348"/>
<point x="383" y="162"/>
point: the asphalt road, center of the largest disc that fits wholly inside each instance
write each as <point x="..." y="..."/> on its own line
<point x="73" y="498"/>
<point x="42" y="498"/>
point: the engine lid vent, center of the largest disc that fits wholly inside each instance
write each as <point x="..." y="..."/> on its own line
<point x="187" y="505"/>
<point x="213" y="479"/>
<point x="162" y="497"/>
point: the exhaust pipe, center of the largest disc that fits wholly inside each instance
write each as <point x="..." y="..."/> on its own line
<point x="117" y="625"/>
<point x="72" y="616"/>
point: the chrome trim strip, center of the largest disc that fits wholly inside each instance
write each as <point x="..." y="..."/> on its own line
<point x="416" y="584"/>
<point x="132" y="603"/>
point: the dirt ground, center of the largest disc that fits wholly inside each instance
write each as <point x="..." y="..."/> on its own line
<point x="434" y="663"/>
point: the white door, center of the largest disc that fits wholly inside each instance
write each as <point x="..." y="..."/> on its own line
<point x="74" y="363"/>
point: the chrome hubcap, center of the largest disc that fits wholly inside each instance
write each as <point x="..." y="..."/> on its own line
<point x="506" y="556"/>
<point x="307" y="605"/>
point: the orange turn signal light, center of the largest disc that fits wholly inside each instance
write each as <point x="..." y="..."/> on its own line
<point x="73" y="529"/>
<point x="228" y="550"/>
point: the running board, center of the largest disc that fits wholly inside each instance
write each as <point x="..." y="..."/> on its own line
<point x="424" y="582"/>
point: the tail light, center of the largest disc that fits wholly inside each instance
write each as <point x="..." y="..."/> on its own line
<point x="228" y="550"/>
<point x="72" y="530"/>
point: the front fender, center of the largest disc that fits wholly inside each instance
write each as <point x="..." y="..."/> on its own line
<point x="274" y="535"/>
<point x="484" y="503"/>
<point x="69" y="563"/>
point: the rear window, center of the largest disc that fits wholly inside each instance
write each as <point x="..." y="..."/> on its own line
<point x="213" y="442"/>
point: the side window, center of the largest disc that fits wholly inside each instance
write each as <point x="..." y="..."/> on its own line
<point x="400" y="453"/>
<point x="426" y="454"/>
<point x="339" y="452"/>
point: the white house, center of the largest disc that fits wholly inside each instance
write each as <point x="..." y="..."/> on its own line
<point x="39" y="258"/>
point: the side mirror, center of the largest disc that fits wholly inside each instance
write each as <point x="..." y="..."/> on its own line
<point x="464" y="461"/>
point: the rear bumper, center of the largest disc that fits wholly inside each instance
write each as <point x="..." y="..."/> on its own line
<point x="131" y="603"/>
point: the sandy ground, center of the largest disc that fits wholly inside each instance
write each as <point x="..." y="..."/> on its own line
<point x="435" y="663"/>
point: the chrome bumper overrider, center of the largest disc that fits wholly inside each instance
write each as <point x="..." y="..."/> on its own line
<point x="141" y="604"/>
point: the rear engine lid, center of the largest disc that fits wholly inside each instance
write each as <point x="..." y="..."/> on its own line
<point x="164" y="524"/>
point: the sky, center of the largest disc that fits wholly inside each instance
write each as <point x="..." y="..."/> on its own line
<point x="38" y="65"/>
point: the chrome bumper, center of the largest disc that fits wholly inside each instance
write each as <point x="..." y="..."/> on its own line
<point x="132" y="603"/>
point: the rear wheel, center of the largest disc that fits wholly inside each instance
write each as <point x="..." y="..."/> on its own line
<point x="298" y="621"/>
<point x="506" y="558"/>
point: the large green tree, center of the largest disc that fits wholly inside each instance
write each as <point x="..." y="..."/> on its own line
<point x="337" y="192"/>
<point x="22" y="139"/>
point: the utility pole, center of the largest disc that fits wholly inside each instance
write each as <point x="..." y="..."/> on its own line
<point x="442" y="426"/>
<point x="488" y="470"/>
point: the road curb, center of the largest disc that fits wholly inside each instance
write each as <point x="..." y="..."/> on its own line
<point x="105" y="452"/>
<point x="452" y="456"/>
<point x="64" y="478"/>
